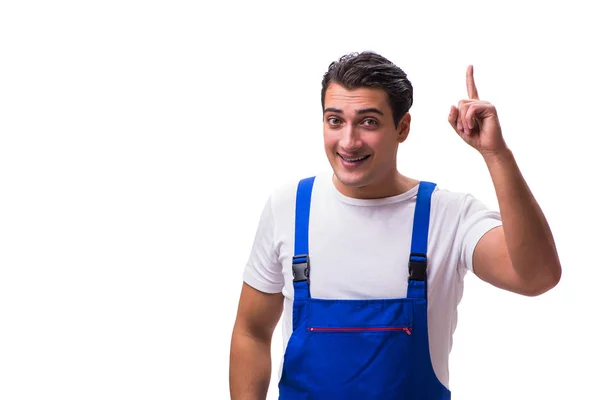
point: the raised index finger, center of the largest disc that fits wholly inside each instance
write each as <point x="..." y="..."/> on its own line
<point x="471" y="88"/>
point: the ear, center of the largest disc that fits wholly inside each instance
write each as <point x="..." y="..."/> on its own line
<point x="403" y="128"/>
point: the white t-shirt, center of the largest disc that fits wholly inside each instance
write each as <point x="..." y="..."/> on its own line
<point x="359" y="249"/>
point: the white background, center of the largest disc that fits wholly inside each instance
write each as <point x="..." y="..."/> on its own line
<point x="139" y="141"/>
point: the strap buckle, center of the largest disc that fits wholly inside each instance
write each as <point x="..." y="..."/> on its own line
<point x="300" y="268"/>
<point x="417" y="267"/>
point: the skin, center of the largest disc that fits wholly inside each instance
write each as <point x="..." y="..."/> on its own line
<point x="520" y="256"/>
<point x="250" y="353"/>
<point x="357" y="123"/>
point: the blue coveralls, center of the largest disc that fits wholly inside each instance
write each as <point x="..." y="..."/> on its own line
<point x="360" y="349"/>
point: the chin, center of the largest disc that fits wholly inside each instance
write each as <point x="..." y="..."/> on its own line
<point x="353" y="180"/>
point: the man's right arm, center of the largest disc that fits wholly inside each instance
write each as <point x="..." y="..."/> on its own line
<point x="250" y="356"/>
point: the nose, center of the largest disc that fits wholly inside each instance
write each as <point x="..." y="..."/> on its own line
<point x="350" y="138"/>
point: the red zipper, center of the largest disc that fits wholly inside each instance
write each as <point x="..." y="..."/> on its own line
<point x="374" y="329"/>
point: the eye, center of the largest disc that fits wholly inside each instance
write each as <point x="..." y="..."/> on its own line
<point x="334" y="121"/>
<point x="370" y="122"/>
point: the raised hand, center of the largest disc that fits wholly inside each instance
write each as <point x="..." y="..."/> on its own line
<point x="476" y="121"/>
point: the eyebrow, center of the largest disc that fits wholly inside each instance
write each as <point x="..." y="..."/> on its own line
<point x="361" y="111"/>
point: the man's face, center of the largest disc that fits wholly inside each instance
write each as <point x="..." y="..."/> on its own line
<point x="361" y="140"/>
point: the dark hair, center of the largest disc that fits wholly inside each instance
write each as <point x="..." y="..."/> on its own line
<point x="369" y="69"/>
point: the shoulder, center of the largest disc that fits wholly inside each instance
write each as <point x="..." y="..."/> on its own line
<point x="283" y="197"/>
<point x="455" y="202"/>
<point x="461" y="212"/>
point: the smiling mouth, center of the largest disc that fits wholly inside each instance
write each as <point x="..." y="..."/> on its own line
<point x="354" y="159"/>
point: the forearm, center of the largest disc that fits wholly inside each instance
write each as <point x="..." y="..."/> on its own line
<point x="528" y="236"/>
<point x="250" y="367"/>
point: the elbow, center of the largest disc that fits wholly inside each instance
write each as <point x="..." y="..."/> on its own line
<point x="545" y="282"/>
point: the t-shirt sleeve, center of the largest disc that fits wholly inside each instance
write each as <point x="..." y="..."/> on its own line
<point x="263" y="271"/>
<point x="476" y="220"/>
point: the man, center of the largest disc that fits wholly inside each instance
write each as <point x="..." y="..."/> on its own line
<point x="368" y="264"/>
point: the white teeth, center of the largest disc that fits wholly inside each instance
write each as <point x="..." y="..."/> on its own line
<point x="354" y="159"/>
